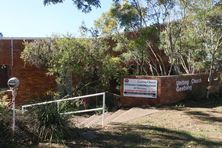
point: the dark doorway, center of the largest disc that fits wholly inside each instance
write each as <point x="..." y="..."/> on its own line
<point x="3" y="76"/>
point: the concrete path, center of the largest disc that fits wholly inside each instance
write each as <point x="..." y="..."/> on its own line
<point x="119" y="116"/>
<point x="132" y="114"/>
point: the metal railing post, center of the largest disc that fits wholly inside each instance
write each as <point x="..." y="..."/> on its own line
<point x="104" y="104"/>
<point x="23" y="110"/>
<point x="57" y="106"/>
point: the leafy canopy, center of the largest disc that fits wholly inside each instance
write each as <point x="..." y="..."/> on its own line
<point x="88" y="60"/>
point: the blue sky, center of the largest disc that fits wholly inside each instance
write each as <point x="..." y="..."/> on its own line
<point x="30" y="18"/>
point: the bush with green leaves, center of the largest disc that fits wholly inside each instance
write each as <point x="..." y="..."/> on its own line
<point x="87" y="61"/>
<point x="5" y="120"/>
<point x="47" y="123"/>
<point x="3" y="100"/>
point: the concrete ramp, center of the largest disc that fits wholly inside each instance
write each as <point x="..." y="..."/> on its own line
<point x="113" y="116"/>
<point x="132" y="114"/>
<point x="120" y="116"/>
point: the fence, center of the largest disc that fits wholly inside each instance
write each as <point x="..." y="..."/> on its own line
<point x="112" y="99"/>
<point x="74" y="98"/>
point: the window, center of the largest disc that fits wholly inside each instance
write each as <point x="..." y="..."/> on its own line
<point x="3" y="76"/>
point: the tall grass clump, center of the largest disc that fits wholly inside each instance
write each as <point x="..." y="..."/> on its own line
<point x="5" y="119"/>
<point x="46" y="122"/>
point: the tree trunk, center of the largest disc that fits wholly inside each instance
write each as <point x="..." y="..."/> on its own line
<point x="64" y="86"/>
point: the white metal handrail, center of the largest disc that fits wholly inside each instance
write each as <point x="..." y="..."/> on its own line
<point x="73" y="98"/>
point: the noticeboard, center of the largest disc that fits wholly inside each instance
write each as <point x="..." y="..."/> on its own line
<point x="140" y="88"/>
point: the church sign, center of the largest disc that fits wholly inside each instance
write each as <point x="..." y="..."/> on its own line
<point x="142" y="88"/>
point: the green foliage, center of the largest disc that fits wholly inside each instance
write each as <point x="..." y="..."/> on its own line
<point x="45" y="120"/>
<point x="61" y="56"/>
<point x="4" y="128"/>
<point x="190" y="34"/>
<point x="209" y="32"/>
<point x="102" y="66"/>
<point x="90" y="60"/>
<point x="42" y="54"/>
<point x="106" y="23"/>
<point x="4" y="102"/>
<point x="50" y="125"/>
<point x="126" y="14"/>
<point x="123" y="15"/>
<point x="69" y="56"/>
<point x="194" y="42"/>
<point x="5" y="121"/>
<point x="112" y="69"/>
<point x="133" y="17"/>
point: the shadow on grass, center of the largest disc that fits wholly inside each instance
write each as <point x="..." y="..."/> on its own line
<point x="204" y="116"/>
<point x="203" y="103"/>
<point x="143" y="136"/>
<point x="21" y="137"/>
<point x="124" y="135"/>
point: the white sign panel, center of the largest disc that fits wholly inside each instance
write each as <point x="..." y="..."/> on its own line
<point x="140" y="88"/>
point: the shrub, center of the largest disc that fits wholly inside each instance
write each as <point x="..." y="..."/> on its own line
<point x="3" y="100"/>
<point x="5" y="124"/>
<point x="198" y="93"/>
<point x="51" y="125"/>
<point x="47" y="123"/>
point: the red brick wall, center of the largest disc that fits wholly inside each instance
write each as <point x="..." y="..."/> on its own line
<point x="5" y="52"/>
<point x="33" y="81"/>
<point x="167" y="89"/>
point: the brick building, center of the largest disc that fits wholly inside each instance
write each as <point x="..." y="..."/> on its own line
<point x="33" y="81"/>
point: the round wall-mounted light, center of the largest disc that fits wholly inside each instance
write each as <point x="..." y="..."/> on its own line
<point x="13" y="83"/>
